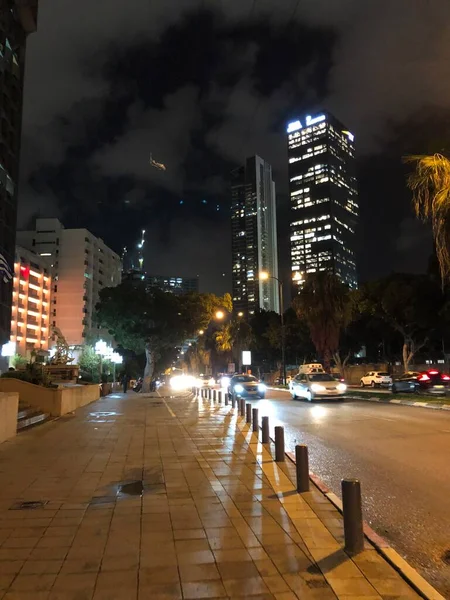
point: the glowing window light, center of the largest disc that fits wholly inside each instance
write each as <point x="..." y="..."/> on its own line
<point x="23" y="282"/>
<point x="19" y="323"/>
<point x="30" y="299"/>
<point x="29" y="339"/>
<point x="35" y="273"/>
<point x="30" y="326"/>
<point x="19" y="338"/>
<point x="34" y="287"/>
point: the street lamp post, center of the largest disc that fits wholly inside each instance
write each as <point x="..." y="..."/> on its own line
<point x="264" y="276"/>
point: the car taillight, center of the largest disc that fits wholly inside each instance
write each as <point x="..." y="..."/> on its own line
<point x="424" y="377"/>
<point x="446" y="377"/>
<point x="433" y="372"/>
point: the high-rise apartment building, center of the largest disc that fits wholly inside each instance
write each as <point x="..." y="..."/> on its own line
<point x="254" y="237"/>
<point x="31" y="303"/>
<point x="81" y="266"/>
<point x="324" y="202"/>
<point x="176" y="285"/>
<point x="18" y="18"/>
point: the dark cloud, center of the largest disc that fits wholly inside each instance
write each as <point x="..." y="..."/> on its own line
<point x="202" y="85"/>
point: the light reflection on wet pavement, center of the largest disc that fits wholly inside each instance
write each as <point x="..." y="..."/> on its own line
<point x="400" y="454"/>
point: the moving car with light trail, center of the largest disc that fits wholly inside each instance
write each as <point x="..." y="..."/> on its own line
<point x="316" y="385"/>
<point x="205" y="381"/>
<point x="376" y="379"/>
<point x="246" y="386"/>
<point x="425" y="382"/>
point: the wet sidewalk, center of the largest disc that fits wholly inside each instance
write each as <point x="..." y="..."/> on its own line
<point x="147" y="497"/>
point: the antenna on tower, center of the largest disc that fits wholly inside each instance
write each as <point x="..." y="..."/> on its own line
<point x="141" y="251"/>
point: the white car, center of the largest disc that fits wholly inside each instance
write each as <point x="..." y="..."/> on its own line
<point x="376" y="379"/>
<point x="312" y="385"/>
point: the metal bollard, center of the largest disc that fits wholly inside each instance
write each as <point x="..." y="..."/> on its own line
<point x="219" y="396"/>
<point x="209" y="394"/>
<point x="248" y="413"/>
<point x="226" y="398"/>
<point x="265" y="430"/>
<point x="279" y="443"/>
<point x="353" y="522"/>
<point x="255" y="420"/>
<point x="302" y="468"/>
<point x="242" y="407"/>
<point x="214" y="395"/>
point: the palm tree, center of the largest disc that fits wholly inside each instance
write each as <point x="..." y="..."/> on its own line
<point x="324" y="304"/>
<point x="430" y="186"/>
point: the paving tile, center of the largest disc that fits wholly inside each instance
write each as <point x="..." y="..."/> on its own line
<point x="203" y="589"/>
<point x="41" y="567"/>
<point x="237" y="570"/>
<point x="245" y="587"/>
<point x="193" y="572"/>
<point x="33" y="583"/>
<point x="161" y="591"/>
<point x="121" y="580"/>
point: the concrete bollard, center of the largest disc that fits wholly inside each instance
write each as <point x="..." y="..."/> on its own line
<point x="265" y="430"/>
<point x="209" y="394"/>
<point x="219" y="396"/>
<point x="279" y="443"/>
<point x="248" y="413"/>
<point x="214" y="395"/>
<point x="255" y="420"/>
<point x="302" y="468"/>
<point x="226" y="398"/>
<point x="353" y="522"/>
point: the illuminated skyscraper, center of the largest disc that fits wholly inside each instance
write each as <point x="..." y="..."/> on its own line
<point x="324" y="202"/>
<point x="17" y="19"/>
<point x="254" y="237"/>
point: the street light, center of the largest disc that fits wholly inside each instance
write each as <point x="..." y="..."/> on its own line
<point x="200" y="332"/>
<point x="264" y="276"/>
<point x="240" y="314"/>
<point x="220" y="315"/>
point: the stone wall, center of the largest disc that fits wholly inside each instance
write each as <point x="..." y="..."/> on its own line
<point x="54" y="401"/>
<point x="9" y="406"/>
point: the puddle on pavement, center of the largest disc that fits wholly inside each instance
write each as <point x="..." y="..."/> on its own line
<point x="135" y="488"/>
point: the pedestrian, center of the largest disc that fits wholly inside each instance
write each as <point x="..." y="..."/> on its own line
<point x="125" y="381"/>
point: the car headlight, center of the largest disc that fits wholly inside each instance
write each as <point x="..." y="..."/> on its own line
<point x="238" y="388"/>
<point x="211" y="382"/>
<point x="261" y="387"/>
<point x="341" y="387"/>
<point x="225" y="382"/>
<point x="316" y="387"/>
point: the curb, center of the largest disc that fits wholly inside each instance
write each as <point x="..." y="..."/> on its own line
<point x="409" y="574"/>
<point x="397" y="402"/>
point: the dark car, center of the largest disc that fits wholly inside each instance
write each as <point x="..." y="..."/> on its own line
<point x="425" y="382"/>
<point x="246" y="386"/>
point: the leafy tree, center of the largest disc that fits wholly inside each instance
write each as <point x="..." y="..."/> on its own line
<point x="410" y="304"/>
<point x="430" y="185"/>
<point x="324" y="304"/>
<point x="153" y="321"/>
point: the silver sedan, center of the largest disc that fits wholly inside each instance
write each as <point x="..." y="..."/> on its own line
<point x="315" y="385"/>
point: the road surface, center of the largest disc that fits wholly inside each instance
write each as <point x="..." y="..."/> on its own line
<point x="401" y="455"/>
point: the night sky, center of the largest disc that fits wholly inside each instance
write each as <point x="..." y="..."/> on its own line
<point x="202" y="85"/>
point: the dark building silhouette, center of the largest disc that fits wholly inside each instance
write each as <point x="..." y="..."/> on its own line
<point x="18" y="18"/>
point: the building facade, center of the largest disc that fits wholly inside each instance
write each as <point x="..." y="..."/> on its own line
<point x="254" y="237"/>
<point x="82" y="265"/>
<point x="17" y="20"/>
<point x="176" y="285"/>
<point x="31" y="304"/>
<point x="324" y="201"/>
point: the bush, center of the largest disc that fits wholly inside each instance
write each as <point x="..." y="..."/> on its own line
<point x="32" y="374"/>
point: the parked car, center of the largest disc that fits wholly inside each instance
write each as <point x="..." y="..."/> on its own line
<point x="376" y="379"/>
<point x="425" y="382"/>
<point x="246" y="386"/>
<point x="313" y="385"/>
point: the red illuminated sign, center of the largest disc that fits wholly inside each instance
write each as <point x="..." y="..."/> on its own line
<point x="25" y="272"/>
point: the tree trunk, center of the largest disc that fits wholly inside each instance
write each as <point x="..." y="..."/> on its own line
<point x="149" y="368"/>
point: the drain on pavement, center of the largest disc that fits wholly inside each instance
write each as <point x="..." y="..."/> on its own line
<point x="29" y="505"/>
<point x="134" y="488"/>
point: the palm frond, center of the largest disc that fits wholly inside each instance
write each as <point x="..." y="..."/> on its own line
<point x="430" y="186"/>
